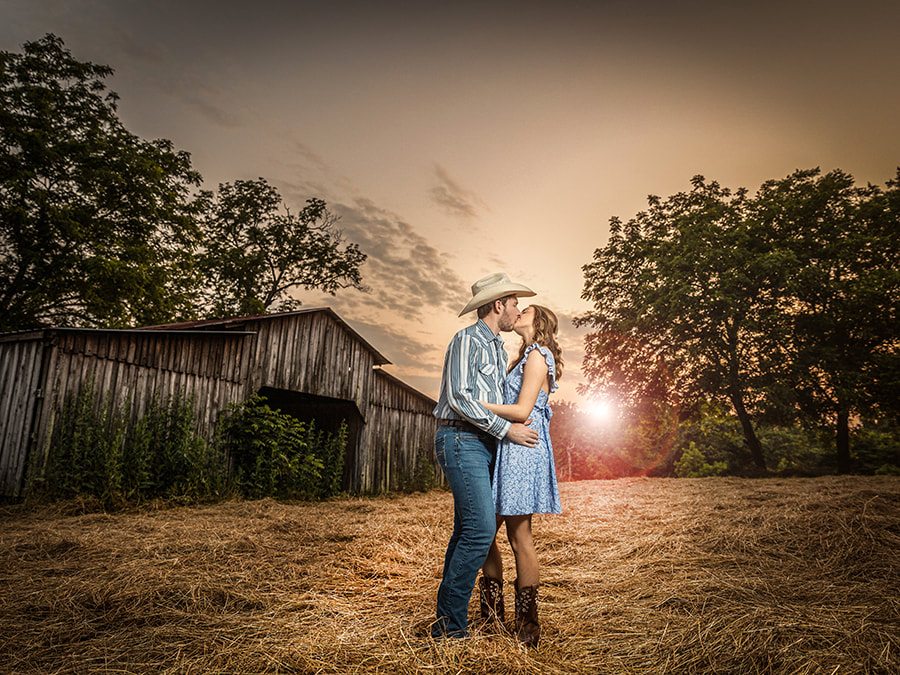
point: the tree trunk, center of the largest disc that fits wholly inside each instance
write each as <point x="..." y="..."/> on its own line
<point x="749" y="434"/>
<point x="843" y="441"/>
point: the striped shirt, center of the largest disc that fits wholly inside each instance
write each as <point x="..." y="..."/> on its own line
<point x="474" y="369"/>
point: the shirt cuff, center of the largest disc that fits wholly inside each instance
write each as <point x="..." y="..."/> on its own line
<point x="500" y="428"/>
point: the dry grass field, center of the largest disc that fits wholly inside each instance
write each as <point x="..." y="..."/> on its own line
<point x="639" y="576"/>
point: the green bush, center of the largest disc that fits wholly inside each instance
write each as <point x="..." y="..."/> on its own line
<point x="692" y="464"/>
<point x="875" y="448"/>
<point x="422" y="478"/>
<point x="330" y="448"/>
<point x="796" y="451"/>
<point x="717" y="435"/>
<point x="96" y="451"/>
<point x="85" y="451"/>
<point x="274" y="454"/>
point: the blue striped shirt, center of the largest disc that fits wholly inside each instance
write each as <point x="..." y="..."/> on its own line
<point x="474" y="368"/>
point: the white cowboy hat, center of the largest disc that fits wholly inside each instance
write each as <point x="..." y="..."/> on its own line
<point x="493" y="287"/>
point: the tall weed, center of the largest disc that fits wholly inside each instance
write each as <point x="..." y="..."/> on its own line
<point x="95" y="451"/>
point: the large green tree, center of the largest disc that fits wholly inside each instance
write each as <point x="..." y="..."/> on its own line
<point x="783" y="304"/>
<point x="679" y="293"/>
<point x="96" y="225"/>
<point x="840" y="302"/>
<point x="256" y="250"/>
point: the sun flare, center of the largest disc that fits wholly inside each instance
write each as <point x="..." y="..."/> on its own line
<point x="602" y="410"/>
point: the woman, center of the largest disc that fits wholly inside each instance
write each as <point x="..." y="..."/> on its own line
<point x="524" y="478"/>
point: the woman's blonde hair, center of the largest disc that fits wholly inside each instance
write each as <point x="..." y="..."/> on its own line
<point x="546" y="326"/>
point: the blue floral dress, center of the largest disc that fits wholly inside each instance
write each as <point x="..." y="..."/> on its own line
<point x="525" y="478"/>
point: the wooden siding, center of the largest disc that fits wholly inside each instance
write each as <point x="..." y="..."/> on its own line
<point x="399" y="436"/>
<point x="20" y="377"/>
<point x="310" y="353"/>
<point x="121" y="365"/>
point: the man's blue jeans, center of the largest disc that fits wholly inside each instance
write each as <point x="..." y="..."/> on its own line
<point x="467" y="459"/>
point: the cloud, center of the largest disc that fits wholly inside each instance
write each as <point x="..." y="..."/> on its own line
<point x="408" y="353"/>
<point x="404" y="271"/>
<point x="454" y="199"/>
<point x="203" y="98"/>
<point x="412" y="286"/>
<point x="138" y="49"/>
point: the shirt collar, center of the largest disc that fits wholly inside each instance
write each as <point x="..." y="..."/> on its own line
<point x="487" y="333"/>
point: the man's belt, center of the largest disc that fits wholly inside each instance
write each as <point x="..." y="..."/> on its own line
<point x="462" y="424"/>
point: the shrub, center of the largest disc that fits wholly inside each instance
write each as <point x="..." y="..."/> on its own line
<point x="692" y="464"/>
<point x="717" y="435"/>
<point x="85" y="451"/>
<point x="875" y="448"/>
<point x="421" y="478"/>
<point x="96" y="452"/>
<point x="274" y="454"/>
<point x="795" y="451"/>
<point x="330" y="448"/>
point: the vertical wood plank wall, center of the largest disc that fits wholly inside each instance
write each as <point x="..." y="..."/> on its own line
<point x="399" y="436"/>
<point x="20" y="372"/>
<point x="133" y="367"/>
<point x="310" y="351"/>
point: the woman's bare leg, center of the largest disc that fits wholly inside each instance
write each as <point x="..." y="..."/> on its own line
<point x="518" y="530"/>
<point x="493" y="566"/>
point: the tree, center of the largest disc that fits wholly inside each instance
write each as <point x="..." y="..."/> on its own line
<point x="96" y="225"/>
<point x="587" y="447"/>
<point x="680" y="294"/>
<point x="840" y="304"/>
<point x="256" y="250"/>
<point x="784" y="304"/>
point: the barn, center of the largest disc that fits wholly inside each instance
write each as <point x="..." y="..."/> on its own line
<point x="309" y="363"/>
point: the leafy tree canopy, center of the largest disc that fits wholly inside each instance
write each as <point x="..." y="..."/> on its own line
<point x="783" y="304"/>
<point x="678" y="294"/>
<point x="101" y="228"/>
<point x="256" y="250"/>
<point x="840" y="302"/>
<point x="97" y="225"/>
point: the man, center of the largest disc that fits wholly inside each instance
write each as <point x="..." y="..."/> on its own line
<point x="465" y="444"/>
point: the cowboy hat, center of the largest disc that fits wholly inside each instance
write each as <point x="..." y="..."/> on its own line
<point x="493" y="287"/>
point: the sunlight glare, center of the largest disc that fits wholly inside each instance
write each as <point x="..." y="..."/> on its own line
<point x="601" y="410"/>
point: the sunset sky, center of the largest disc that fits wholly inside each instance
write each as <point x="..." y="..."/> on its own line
<point x="456" y="139"/>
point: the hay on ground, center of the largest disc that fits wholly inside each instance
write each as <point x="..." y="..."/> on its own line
<point x="638" y="575"/>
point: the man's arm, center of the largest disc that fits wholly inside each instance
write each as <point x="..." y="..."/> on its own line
<point x="462" y="370"/>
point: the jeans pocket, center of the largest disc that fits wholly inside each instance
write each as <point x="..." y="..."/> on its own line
<point x="439" y="451"/>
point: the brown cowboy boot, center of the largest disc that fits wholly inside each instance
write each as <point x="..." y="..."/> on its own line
<point x="490" y="592"/>
<point x="528" y="630"/>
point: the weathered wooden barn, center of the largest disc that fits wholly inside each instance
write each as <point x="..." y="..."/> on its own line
<point x="309" y="363"/>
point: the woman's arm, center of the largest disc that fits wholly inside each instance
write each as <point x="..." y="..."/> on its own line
<point x="534" y="377"/>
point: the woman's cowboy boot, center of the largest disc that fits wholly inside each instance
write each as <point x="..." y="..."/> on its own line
<point x="490" y="591"/>
<point x="528" y="630"/>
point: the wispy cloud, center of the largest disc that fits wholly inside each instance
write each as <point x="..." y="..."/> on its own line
<point x="407" y="278"/>
<point x="205" y="99"/>
<point x="453" y="198"/>
<point x="404" y="271"/>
